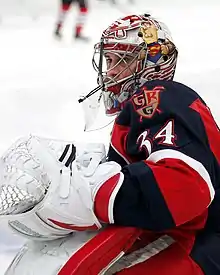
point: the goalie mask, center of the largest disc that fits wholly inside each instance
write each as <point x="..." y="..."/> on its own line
<point x="132" y="50"/>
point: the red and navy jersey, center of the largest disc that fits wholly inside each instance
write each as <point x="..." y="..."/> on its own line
<point x="167" y="142"/>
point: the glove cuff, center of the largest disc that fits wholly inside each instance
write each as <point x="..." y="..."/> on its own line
<point x="105" y="198"/>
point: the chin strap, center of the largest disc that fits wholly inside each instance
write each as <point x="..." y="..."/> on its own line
<point x="92" y="93"/>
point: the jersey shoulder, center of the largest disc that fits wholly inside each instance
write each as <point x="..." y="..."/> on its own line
<point x="166" y="112"/>
<point x="157" y="101"/>
<point x="157" y="97"/>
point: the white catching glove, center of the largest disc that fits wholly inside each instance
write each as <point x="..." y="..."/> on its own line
<point x="40" y="196"/>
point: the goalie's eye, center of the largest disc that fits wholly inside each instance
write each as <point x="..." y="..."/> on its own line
<point x="128" y="59"/>
<point x="111" y="60"/>
<point x="108" y="62"/>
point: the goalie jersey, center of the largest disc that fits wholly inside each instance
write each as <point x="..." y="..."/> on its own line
<point x="167" y="142"/>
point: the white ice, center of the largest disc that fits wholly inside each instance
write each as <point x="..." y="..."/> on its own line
<point x="41" y="78"/>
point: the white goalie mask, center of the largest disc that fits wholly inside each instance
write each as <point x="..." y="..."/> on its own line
<point x="132" y="50"/>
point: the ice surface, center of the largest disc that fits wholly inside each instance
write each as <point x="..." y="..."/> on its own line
<point x="41" y="78"/>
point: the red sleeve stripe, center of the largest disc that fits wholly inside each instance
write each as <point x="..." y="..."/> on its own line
<point x="194" y="164"/>
<point x="105" y="197"/>
<point x="119" y="140"/>
<point x="211" y="127"/>
<point x="120" y="154"/>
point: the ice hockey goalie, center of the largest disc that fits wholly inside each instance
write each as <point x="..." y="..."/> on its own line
<point x="151" y="208"/>
<point x="37" y="199"/>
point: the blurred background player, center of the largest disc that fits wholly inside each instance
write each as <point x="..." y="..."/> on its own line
<point x="80" y="20"/>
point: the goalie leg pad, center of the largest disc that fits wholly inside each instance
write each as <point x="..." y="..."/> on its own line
<point x="82" y="253"/>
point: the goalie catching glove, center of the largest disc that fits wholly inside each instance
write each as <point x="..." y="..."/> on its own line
<point x="46" y="193"/>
